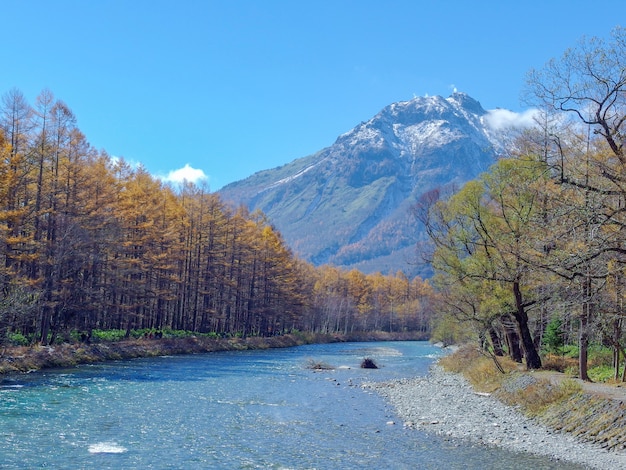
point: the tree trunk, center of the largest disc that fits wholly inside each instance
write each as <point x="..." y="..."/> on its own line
<point x="583" y="333"/>
<point x="583" y="345"/>
<point x="512" y="339"/>
<point x="495" y="342"/>
<point x="617" y="333"/>
<point x="533" y="361"/>
<point x="45" y="324"/>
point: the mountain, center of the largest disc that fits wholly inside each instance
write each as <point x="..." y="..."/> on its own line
<point x="350" y="204"/>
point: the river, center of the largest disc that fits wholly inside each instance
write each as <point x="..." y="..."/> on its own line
<point x="262" y="409"/>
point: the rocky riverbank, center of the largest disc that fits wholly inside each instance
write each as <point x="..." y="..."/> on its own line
<point x="445" y="403"/>
<point x="36" y="357"/>
<point x="27" y="359"/>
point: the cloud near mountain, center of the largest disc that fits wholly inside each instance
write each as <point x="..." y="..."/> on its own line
<point x="501" y="119"/>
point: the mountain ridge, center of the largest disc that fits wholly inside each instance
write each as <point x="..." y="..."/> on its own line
<point x="349" y="204"/>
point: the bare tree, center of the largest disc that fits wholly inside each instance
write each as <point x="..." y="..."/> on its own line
<point x="586" y="88"/>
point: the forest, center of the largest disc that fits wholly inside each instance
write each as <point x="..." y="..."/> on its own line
<point x="90" y="243"/>
<point x="531" y="256"/>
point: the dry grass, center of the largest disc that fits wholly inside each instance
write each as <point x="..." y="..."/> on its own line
<point x="478" y="368"/>
<point x="559" y="363"/>
<point x="514" y="387"/>
<point x="460" y="360"/>
<point x="538" y="394"/>
<point x="590" y="418"/>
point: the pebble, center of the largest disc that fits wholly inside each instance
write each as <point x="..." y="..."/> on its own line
<point x="444" y="403"/>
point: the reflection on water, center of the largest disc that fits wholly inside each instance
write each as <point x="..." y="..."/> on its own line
<point x="252" y="409"/>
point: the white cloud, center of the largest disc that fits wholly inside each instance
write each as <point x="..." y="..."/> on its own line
<point x="186" y="173"/>
<point x="499" y="119"/>
<point x="114" y="159"/>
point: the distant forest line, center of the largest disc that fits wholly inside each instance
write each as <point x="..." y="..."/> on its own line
<point x="89" y="242"/>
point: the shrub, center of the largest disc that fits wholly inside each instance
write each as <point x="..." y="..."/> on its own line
<point x="600" y="356"/>
<point x="602" y="373"/>
<point x="553" y="337"/>
<point x="461" y="359"/>
<point x="570" y="350"/>
<point x="141" y="332"/>
<point x="17" y="339"/>
<point x="108" y="335"/>
<point x="559" y="363"/>
<point x="75" y="336"/>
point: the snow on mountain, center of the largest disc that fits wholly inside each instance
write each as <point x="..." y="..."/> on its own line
<point x="350" y="204"/>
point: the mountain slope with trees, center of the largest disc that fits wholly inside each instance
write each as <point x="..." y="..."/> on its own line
<point x="350" y="204"/>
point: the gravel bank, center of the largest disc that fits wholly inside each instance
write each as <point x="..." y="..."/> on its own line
<point x="444" y="403"/>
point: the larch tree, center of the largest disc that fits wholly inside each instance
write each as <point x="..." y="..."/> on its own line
<point x="16" y="124"/>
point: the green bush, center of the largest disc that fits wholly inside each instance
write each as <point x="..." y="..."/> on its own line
<point x="600" y="356"/>
<point x="119" y="335"/>
<point x="17" y="339"/>
<point x="603" y="373"/>
<point x="570" y="350"/>
<point x="75" y="336"/>
<point x="141" y="332"/>
<point x="553" y="337"/>
<point x="108" y="335"/>
<point x="169" y="333"/>
<point x="61" y="339"/>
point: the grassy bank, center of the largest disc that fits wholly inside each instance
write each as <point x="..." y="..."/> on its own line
<point x="30" y="358"/>
<point x="564" y="404"/>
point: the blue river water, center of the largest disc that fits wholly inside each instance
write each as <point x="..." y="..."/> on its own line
<point x="230" y="410"/>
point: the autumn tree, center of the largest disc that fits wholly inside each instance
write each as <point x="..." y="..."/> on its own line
<point x="484" y="237"/>
<point x="16" y="124"/>
<point x="586" y="90"/>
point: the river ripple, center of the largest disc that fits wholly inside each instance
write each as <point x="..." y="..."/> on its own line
<point x="230" y="410"/>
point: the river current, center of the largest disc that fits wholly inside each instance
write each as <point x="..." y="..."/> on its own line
<point x="230" y="410"/>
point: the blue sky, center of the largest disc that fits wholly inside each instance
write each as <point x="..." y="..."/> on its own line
<point x="228" y="88"/>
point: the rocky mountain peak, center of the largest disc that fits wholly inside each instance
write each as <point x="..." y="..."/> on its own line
<point x="463" y="100"/>
<point x="350" y="204"/>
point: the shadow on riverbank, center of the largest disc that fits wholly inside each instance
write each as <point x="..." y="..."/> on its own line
<point x="36" y="357"/>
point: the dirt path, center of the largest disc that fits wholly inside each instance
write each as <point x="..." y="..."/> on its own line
<point x="609" y="391"/>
